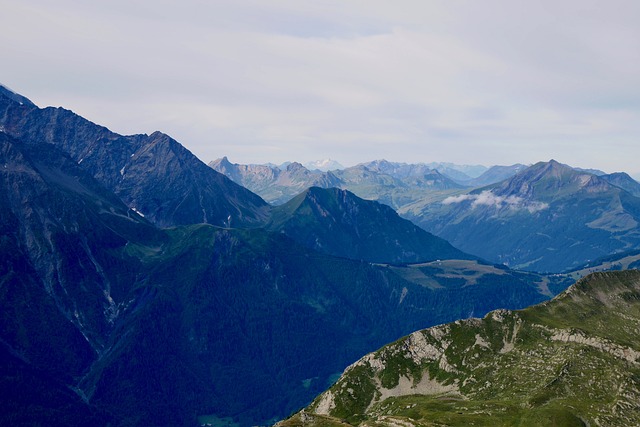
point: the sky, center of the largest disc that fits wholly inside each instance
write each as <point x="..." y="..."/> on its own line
<point x="463" y="81"/>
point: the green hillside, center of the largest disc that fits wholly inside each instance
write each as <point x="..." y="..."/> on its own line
<point x="572" y="361"/>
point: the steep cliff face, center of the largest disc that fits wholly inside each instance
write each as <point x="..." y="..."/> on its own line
<point x="572" y="361"/>
<point x="152" y="173"/>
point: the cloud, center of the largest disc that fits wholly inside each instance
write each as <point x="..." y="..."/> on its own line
<point x="471" y="82"/>
<point x="487" y="198"/>
<point x="458" y="199"/>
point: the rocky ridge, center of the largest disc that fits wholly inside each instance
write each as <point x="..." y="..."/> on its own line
<point x="152" y="173"/>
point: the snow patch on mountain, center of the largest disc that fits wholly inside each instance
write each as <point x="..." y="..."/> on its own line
<point x="323" y="165"/>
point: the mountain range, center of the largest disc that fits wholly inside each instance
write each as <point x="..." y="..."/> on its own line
<point x="273" y="183"/>
<point x="394" y="184"/>
<point x="141" y="287"/>
<point x="572" y="361"/>
<point x="548" y="217"/>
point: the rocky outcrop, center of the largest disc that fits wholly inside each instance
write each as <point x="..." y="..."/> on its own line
<point x="274" y="184"/>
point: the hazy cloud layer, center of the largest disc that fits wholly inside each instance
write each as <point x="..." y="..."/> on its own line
<point x="474" y="82"/>
<point x="487" y="198"/>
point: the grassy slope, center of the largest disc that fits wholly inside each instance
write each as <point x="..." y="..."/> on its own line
<point x="570" y="361"/>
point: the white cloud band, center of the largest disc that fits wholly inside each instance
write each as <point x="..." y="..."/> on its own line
<point x="487" y="198"/>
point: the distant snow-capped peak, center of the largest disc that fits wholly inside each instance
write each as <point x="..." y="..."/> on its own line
<point x="323" y="165"/>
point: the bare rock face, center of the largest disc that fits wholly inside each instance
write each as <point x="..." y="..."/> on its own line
<point x="275" y="185"/>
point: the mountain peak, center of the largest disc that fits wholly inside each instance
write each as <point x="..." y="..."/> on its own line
<point x="545" y="179"/>
<point x="8" y="93"/>
<point x="548" y="217"/>
<point x="339" y="223"/>
<point x="315" y="190"/>
<point x="624" y="181"/>
<point x="322" y="199"/>
<point x="153" y="173"/>
<point x="324" y="165"/>
<point x="623" y="175"/>
<point x="295" y="166"/>
<point x="553" y="165"/>
<point x="157" y="135"/>
<point x="223" y="162"/>
<point x="380" y="162"/>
